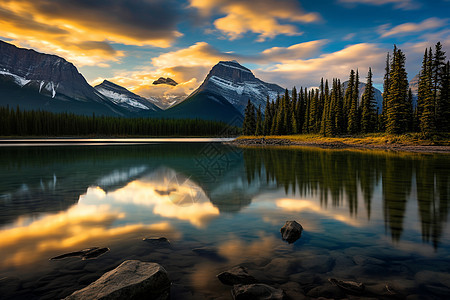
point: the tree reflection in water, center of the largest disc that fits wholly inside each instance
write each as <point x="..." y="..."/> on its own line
<point x="340" y="177"/>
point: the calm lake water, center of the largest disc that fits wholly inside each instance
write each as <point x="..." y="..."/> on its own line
<point x="375" y="217"/>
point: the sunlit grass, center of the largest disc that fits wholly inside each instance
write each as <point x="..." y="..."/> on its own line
<point x="408" y="139"/>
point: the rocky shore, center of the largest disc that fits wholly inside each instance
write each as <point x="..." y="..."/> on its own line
<point x="263" y="142"/>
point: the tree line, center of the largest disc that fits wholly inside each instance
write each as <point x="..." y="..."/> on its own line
<point x="336" y="110"/>
<point x="17" y="122"/>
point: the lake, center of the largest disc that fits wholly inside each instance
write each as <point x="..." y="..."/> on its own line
<point x="376" y="217"/>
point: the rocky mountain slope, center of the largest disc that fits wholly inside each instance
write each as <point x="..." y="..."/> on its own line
<point x="237" y="84"/>
<point x="33" y="80"/>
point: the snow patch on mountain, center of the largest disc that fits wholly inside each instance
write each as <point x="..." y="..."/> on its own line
<point x="17" y="79"/>
<point x="121" y="99"/>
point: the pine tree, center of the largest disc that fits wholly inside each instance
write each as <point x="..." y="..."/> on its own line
<point x="445" y="100"/>
<point x="259" y="122"/>
<point x="249" y="126"/>
<point x="268" y="115"/>
<point x="306" y="124"/>
<point x="438" y="75"/>
<point x="287" y="118"/>
<point x="426" y="110"/>
<point x="410" y="111"/>
<point x="397" y="113"/>
<point x="368" y="115"/>
<point x="353" y="121"/>
<point x="386" y="84"/>
<point x="422" y="89"/>
<point x="293" y="111"/>
<point x="348" y="100"/>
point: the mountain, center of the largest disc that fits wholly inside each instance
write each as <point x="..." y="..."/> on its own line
<point x="237" y="84"/>
<point x="168" y="81"/>
<point x="362" y="88"/>
<point x="33" y="80"/>
<point x="124" y="98"/>
<point x="206" y="105"/>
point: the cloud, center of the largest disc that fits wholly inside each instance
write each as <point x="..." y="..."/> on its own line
<point x="88" y="28"/>
<point x="399" y="4"/>
<point x="409" y="28"/>
<point x="262" y="18"/>
<point x="307" y="72"/>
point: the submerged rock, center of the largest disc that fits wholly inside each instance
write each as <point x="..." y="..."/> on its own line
<point x="351" y="287"/>
<point x="88" y="253"/>
<point x="158" y="242"/>
<point x="236" y="275"/>
<point x="132" y="279"/>
<point x="291" y="231"/>
<point x="257" y="291"/>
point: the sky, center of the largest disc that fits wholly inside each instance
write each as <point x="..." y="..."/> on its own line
<point x="288" y="42"/>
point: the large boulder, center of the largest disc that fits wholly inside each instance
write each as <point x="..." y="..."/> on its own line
<point x="257" y="291"/>
<point x="291" y="231"/>
<point x="236" y="275"/>
<point x="132" y="279"/>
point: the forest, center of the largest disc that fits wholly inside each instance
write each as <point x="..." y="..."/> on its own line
<point x="333" y="111"/>
<point x="15" y="122"/>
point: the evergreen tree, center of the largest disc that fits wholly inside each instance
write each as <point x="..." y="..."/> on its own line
<point x="249" y="126"/>
<point x="268" y="115"/>
<point x="287" y="118"/>
<point x="353" y="121"/>
<point x="397" y="113"/>
<point x="386" y="84"/>
<point x="438" y="75"/>
<point x="445" y="100"/>
<point x="259" y="122"/>
<point x="410" y="111"/>
<point x="339" y="123"/>
<point x="348" y="100"/>
<point x="422" y="92"/>
<point x="426" y="108"/>
<point x="368" y="115"/>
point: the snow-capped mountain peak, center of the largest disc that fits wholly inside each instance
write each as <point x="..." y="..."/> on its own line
<point x="237" y="84"/>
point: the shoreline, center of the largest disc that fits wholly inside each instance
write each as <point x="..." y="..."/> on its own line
<point x="336" y="144"/>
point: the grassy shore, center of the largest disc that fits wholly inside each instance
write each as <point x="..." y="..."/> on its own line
<point x="407" y="142"/>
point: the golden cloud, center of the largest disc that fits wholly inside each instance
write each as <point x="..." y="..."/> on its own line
<point x="307" y="72"/>
<point x="83" y="31"/>
<point x="262" y="17"/>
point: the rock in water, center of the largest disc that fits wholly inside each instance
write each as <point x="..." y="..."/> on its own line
<point x="291" y="231"/>
<point x="257" y="291"/>
<point x="88" y="253"/>
<point x="132" y="279"/>
<point x="236" y="275"/>
<point x="349" y="286"/>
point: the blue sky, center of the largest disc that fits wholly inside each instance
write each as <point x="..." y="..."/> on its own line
<point x="288" y="42"/>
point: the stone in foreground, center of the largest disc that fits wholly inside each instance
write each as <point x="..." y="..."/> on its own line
<point x="236" y="275"/>
<point x="257" y="291"/>
<point x="291" y="231"/>
<point x="132" y="279"/>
